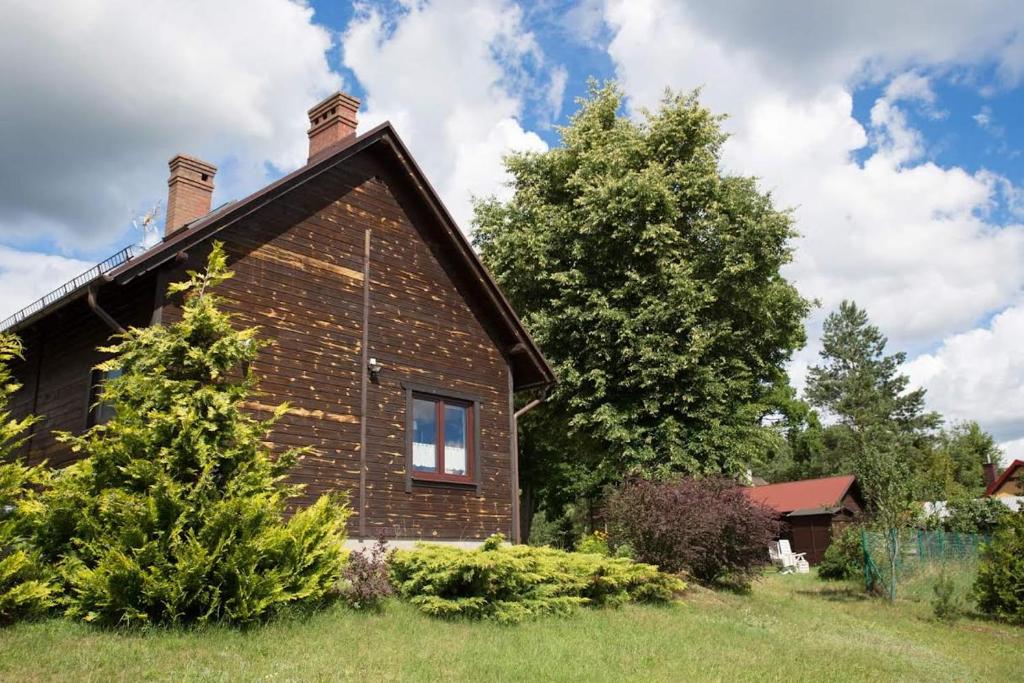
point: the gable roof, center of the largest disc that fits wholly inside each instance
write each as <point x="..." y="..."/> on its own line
<point x="1002" y="478"/>
<point x="530" y="368"/>
<point x="819" y="495"/>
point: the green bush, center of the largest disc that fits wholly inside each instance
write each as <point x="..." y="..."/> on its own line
<point x="844" y="557"/>
<point x="594" y="544"/>
<point x="177" y="514"/>
<point x="512" y="583"/>
<point x="26" y="586"/>
<point x="945" y="601"/>
<point x="999" y="587"/>
<point x="975" y="515"/>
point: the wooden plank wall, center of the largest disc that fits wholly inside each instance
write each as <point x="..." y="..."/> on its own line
<point x="298" y="267"/>
<point x="60" y="352"/>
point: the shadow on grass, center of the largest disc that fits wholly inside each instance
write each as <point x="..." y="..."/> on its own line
<point x="837" y="594"/>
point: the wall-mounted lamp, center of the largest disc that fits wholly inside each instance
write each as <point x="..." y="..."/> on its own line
<point x="374" y="367"/>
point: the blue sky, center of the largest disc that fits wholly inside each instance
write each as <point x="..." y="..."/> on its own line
<point x="893" y="133"/>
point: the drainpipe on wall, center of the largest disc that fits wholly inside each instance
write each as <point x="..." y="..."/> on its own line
<point x="102" y="314"/>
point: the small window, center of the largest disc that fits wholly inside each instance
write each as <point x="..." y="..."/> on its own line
<point x="100" y="412"/>
<point x="442" y="438"/>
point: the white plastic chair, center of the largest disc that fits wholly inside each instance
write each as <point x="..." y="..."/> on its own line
<point x="783" y="557"/>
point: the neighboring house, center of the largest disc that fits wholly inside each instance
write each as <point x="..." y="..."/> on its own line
<point x="814" y="510"/>
<point x="1008" y="487"/>
<point x="397" y="352"/>
<point x="1009" y="483"/>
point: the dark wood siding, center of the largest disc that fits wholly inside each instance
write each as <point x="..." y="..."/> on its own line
<point x="299" y="276"/>
<point x="298" y="267"/>
<point x="60" y="352"/>
<point x="810" y="534"/>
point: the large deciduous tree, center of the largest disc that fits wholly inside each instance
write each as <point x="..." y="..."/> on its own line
<point x="651" y="280"/>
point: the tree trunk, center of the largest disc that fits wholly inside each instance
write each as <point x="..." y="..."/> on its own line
<point x="527" y="508"/>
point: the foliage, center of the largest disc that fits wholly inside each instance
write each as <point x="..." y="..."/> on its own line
<point x="945" y="602"/>
<point x="844" y="557"/>
<point x="512" y="583"/>
<point x="652" y="281"/>
<point x="889" y="494"/>
<point x="882" y="431"/>
<point x="999" y="587"/>
<point x="798" y="453"/>
<point x="366" y="579"/>
<point x="176" y="515"/>
<point x="26" y="586"/>
<point x="555" y="531"/>
<point x="595" y="543"/>
<point x="975" y="515"/>
<point x="859" y="383"/>
<point x="876" y="417"/>
<point x="705" y="527"/>
<point x="954" y="466"/>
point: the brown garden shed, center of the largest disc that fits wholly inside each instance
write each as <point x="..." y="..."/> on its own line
<point x="813" y="511"/>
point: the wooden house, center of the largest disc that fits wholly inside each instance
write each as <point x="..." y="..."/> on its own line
<point x="396" y="350"/>
<point x="1009" y="484"/>
<point x="813" y="511"/>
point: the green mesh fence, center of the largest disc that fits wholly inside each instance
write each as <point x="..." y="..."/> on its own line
<point x="900" y="557"/>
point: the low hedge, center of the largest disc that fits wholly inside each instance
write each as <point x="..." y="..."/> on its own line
<point x="512" y="583"/>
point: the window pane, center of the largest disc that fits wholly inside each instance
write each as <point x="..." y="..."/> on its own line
<point x="103" y="412"/>
<point x="455" y="439"/>
<point x="424" y="435"/>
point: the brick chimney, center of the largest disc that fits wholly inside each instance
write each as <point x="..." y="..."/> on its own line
<point x="989" y="469"/>
<point x="332" y="121"/>
<point x="190" y="191"/>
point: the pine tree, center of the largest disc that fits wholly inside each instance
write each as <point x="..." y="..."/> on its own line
<point x="26" y="587"/>
<point x="861" y="388"/>
<point x="176" y="515"/>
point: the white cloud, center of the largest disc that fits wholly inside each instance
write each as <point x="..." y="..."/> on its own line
<point x="26" y="276"/>
<point x="979" y="374"/>
<point x="910" y="240"/>
<point x="984" y="117"/>
<point x="453" y="78"/>
<point x="903" y="236"/>
<point x="98" y="95"/>
<point x="1012" y="450"/>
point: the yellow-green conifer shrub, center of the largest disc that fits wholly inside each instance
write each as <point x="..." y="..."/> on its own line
<point x="176" y="514"/>
<point x="512" y="583"/>
<point x="25" y="583"/>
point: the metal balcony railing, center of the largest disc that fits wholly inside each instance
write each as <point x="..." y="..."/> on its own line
<point x="67" y="288"/>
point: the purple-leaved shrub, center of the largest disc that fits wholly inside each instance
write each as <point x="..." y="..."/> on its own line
<point x="706" y="527"/>
<point x="366" y="577"/>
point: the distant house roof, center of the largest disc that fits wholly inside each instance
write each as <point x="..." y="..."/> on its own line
<point x="818" y="495"/>
<point x="529" y="367"/>
<point x="1004" y="477"/>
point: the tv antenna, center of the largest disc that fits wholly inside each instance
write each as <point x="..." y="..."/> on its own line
<point x="146" y="224"/>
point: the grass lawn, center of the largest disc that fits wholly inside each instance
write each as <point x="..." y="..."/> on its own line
<point x="789" y="627"/>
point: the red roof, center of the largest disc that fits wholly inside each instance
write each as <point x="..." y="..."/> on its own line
<point x="827" y="492"/>
<point x="1007" y="473"/>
